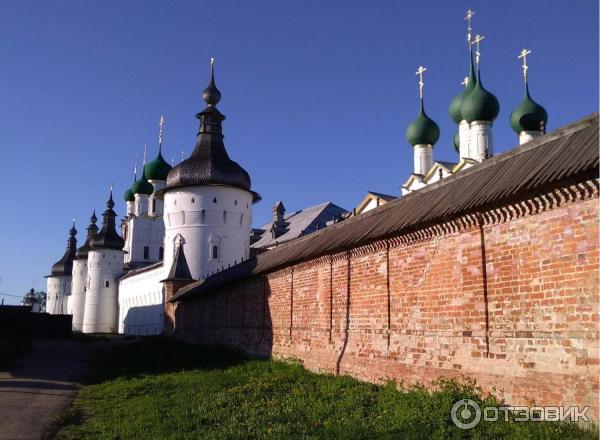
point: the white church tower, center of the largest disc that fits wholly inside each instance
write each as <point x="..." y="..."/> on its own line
<point x="208" y="200"/>
<point x="58" y="286"/>
<point x="105" y="265"/>
<point x="80" y="271"/>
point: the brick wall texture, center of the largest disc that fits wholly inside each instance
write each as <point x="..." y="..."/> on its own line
<point x="508" y="297"/>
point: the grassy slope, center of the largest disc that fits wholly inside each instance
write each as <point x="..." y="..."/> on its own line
<point x="159" y="388"/>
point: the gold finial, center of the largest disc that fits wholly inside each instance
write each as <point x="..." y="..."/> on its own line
<point x="468" y="18"/>
<point x="161" y="125"/>
<point x="478" y="39"/>
<point x="465" y="82"/>
<point x="523" y="55"/>
<point x="420" y="72"/>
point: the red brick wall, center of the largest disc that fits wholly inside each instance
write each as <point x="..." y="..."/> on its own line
<point x="508" y="297"/>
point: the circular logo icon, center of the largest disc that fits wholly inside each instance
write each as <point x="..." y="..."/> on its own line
<point x="466" y="414"/>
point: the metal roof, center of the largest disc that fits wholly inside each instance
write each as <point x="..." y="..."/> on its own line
<point x="569" y="154"/>
<point x="299" y="223"/>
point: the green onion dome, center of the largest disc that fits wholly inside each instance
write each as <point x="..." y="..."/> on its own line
<point x="423" y="130"/>
<point x="479" y="105"/>
<point x="158" y="168"/>
<point x="142" y="186"/>
<point x="456" y="103"/>
<point x="457" y="142"/>
<point x="128" y="196"/>
<point x="529" y="115"/>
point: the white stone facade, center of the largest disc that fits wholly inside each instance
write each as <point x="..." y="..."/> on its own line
<point x="58" y="288"/>
<point x="105" y="266"/>
<point x="141" y="302"/>
<point x="214" y="222"/>
<point x="78" y="291"/>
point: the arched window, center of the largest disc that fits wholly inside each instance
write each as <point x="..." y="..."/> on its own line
<point x="241" y="219"/>
<point x="214" y="248"/>
<point x="161" y="253"/>
<point x="193" y="200"/>
<point x="153" y="206"/>
<point x="224" y="216"/>
<point x="203" y="216"/>
<point x="215" y="200"/>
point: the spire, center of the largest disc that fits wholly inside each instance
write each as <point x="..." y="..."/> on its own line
<point x="209" y="163"/>
<point x="211" y="94"/>
<point x="73" y="231"/>
<point x="108" y="238"/>
<point x="92" y="230"/>
<point x="64" y="266"/>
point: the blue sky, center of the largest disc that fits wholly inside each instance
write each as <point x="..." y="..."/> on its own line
<point x="317" y="96"/>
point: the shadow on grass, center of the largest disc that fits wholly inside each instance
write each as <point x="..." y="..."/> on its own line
<point x="155" y="355"/>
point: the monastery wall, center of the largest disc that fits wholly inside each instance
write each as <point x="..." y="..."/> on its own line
<point x="141" y="309"/>
<point x="507" y="297"/>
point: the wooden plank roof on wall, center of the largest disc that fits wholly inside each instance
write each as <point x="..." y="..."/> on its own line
<point x="567" y="155"/>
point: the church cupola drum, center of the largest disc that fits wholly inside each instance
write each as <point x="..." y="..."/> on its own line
<point x="208" y="199"/>
<point x="105" y="265"/>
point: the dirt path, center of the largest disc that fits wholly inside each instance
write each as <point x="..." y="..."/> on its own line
<point x="42" y="385"/>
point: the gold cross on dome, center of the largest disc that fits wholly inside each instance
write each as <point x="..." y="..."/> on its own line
<point x="478" y="39"/>
<point x="523" y="55"/>
<point x="468" y="18"/>
<point x="420" y="72"/>
<point x="145" y="148"/>
<point x="465" y="82"/>
<point x="161" y="125"/>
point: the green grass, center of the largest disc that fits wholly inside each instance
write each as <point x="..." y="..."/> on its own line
<point x="157" y="388"/>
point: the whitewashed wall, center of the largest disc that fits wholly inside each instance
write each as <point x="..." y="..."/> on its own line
<point x="101" y="302"/>
<point x="76" y="306"/>
<point x="141" y="302"/>
<point x="144" y="231"/>
<point x="58" y="288"/>
<point x="226" y="223"/>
